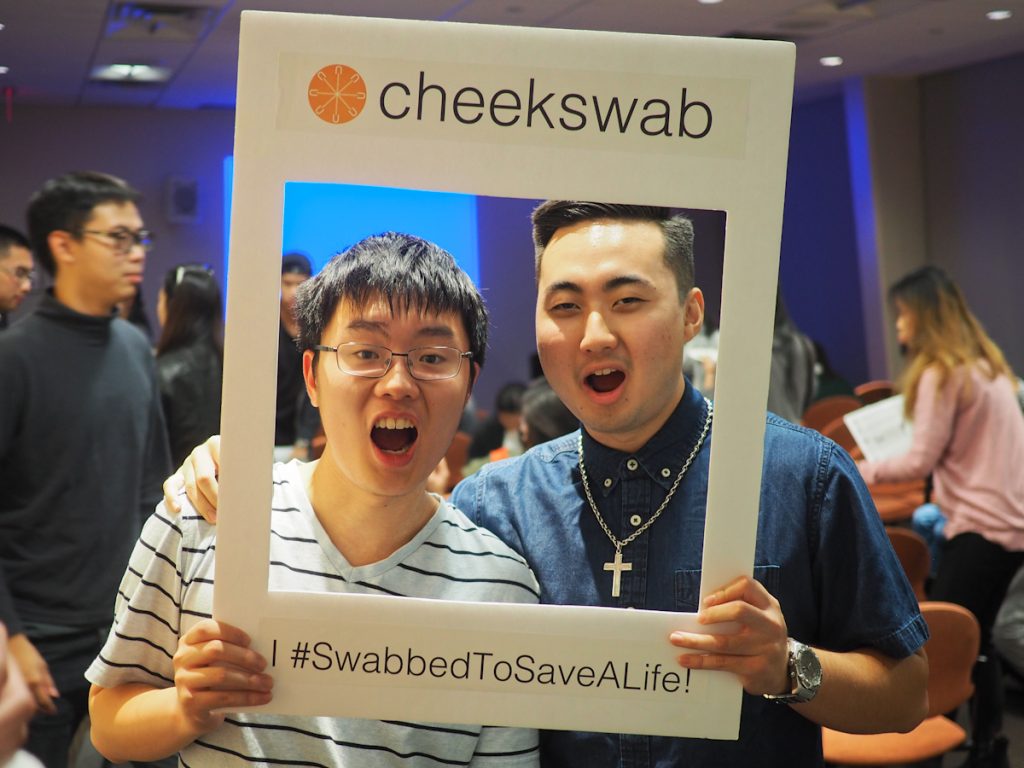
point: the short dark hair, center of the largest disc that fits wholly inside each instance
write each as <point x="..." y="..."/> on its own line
<point x="296" y="263"/>
<point x="552" y="215"/>
<point x="66" y="203"/>
<point x="402" y="270"/>
<point x="10" y="236"/>
<point x="193" y="309"/>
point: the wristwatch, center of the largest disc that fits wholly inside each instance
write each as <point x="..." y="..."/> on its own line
<point x="804" y="675"/>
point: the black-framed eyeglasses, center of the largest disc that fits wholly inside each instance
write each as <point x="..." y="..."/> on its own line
<point x="123" y="240"/>
<point x="372" y="361"/>
<point x="21" y="274"/>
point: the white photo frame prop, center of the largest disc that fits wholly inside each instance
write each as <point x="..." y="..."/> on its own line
<point x="701" y="123"/>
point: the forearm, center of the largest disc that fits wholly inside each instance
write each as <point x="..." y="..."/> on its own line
<point x="138" y="722"/>
<point x="864" y="691"/>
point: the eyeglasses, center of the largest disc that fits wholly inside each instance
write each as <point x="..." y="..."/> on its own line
<point x="372" y="362"/>
<point x="123" y="240"/>
<point x="20" y="274"/>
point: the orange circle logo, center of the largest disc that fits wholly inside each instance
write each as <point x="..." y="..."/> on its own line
<point x="337" y="94"/>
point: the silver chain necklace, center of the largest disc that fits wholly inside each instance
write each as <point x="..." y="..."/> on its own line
<point x="617" y="566"/>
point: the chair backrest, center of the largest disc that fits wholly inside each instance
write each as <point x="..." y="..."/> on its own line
<point x="873" y="391"/>
<point x="838" y="431"/>
<point x="914" y="555"/>
<point x="952" y="651"/>
<point x="821" y="412"/>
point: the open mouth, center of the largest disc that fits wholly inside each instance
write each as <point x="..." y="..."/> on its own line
<point x="394" y="435"/>
<point x="605" y="380"/>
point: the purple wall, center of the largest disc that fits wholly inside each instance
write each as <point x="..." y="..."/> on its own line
<point x="818" y="270"/>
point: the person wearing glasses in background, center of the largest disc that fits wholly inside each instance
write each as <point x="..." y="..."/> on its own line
<point x="393" y="335"/>
<point x="83" y="446"/>
<point x="16" y="271"/>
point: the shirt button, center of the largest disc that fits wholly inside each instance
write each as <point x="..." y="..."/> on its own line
<point x="635" y="520"/>
<point x="632" y="464"/>
<point x="666" y="472"/>
<point x="607" y="482"/>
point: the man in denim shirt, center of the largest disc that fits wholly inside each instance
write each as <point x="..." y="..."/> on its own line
<point x="615" y="305"/>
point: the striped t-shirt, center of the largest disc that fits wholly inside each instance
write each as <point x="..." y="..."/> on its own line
<point x="168" y="588"/>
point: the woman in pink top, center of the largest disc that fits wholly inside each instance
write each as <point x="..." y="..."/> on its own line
<point x="969" y="435"/>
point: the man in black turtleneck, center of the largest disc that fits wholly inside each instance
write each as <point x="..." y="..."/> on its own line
<point x="83" y="446"/>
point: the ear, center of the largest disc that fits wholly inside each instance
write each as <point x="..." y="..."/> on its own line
<point x="309" y="375"/>
<point x="61" y="246"/>
<point x="693" y="313"/>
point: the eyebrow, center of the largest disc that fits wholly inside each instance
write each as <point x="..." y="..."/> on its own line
<point x="381" y="327"/>
<point x="608" y="285"/>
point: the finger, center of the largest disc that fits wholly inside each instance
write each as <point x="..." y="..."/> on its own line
<point x="218" y="678"/>
<point x="211" y="629"/>
<point x="218" y="653"/>
<point x="206" y="701"/>
<point x="201" y="479"/>
<point x="44" y="697"/>
<point x="173" y="486"/>
<point x="741" y="588"/>
<point x="722" y="644"/>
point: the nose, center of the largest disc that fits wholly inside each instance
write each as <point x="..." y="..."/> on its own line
<point x="597" y="335"/>
<point x="397" y="382"/>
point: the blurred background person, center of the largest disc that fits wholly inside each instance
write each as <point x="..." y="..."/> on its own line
<point x="497" y="436"/>
<point x="968" y="433"/>
<point x="16" y="271"/>
<point x="190" y="356"/>
<point x="828" y="382"/>
<point x="298" y="421"/>
<point x="545" y="416"/>
<point x="791" y="383"/>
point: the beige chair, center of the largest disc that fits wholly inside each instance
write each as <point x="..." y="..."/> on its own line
<point x="952" y="651"/>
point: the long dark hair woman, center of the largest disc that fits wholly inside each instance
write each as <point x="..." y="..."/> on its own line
<point x="189" y="356"/>
<point x="968" y="433"/>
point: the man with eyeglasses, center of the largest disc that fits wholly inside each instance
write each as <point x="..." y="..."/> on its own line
<point x="393" y="335"/>
<point x="16" y="271"/>
<point x="82" y="445"/>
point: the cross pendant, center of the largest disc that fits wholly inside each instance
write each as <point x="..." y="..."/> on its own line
<point x="617" y="567"/>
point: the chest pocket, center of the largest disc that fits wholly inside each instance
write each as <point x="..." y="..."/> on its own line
<point x="687" y="585"/>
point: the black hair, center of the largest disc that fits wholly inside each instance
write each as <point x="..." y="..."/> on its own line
<point x="510" y="398"/>
<point x="10" y="236"/>
<point x="552" y="215"/>
<point x="66" y="203"/>
<point x="296" y="263"/>
<point x="193" y="309"/>
<point x="403" y="270"/>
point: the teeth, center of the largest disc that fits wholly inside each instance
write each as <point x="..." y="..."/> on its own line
<point x="604" y="372"/>
<point x="389" y="423"/>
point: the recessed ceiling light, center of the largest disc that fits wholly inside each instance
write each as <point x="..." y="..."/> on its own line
<point x="4" y="70"/>
<point x="998" y="15"/>
<point x="831" y="61"/>
<point x="1" y="25"/>
<point x="131" y="73"/>
<point x="709" y="2"/>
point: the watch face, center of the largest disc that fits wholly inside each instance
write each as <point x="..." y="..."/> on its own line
<point x="807" y="668"/>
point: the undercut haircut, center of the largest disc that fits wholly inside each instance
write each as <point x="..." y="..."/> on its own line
<point x="406" y="273"/>
<point x="11" y="237"/>
<point x="66" y="203"/>
<point x="677" y="230"/>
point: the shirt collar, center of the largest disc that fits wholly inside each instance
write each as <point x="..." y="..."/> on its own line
<point x="660" y="458"/>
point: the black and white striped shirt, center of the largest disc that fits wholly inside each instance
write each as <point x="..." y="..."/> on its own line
<point x="168" y="587"/>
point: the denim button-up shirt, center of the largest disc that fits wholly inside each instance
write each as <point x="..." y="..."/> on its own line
<point x="821" y="551"/>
